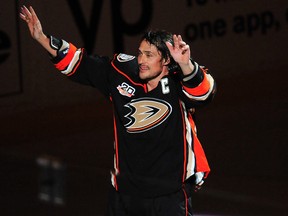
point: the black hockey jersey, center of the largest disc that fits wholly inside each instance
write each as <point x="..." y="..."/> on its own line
<point x="156" y="147"/>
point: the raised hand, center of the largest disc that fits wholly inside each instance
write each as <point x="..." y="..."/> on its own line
<point x="35" y="28"/>
<point x="181" y="54"/>
<point x="34" y="25"/>
<point x="180" y="51"/>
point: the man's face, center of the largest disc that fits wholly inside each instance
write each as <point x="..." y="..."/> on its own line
<point x="150" y="61"/>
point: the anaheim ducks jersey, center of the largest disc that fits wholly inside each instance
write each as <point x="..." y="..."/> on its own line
<point x="156" y="146"/>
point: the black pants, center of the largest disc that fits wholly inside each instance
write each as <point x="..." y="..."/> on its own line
<point x="175" y="204"/>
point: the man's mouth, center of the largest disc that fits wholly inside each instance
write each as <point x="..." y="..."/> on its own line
<point x="143" y="68"/>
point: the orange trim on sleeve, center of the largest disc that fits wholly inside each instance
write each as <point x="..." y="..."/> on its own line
<point x="77" y="65"/>
<point x="67" y="59"/>
<point x="201" y="89"/>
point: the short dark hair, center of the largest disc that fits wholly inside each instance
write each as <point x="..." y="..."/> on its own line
<point x="159" y="38"/>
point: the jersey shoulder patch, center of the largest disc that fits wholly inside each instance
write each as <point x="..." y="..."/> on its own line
<point x="121" y="57"/>
<point x="126" y="64"/>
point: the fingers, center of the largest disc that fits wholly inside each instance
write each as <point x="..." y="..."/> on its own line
<point x="33" y="13"/>
<point x="180" y="44"/>
<point x="180" y="51"/>
<point x="178" y="41"/>
<point x="25" y="14"/>
<point x="169" y="46"/>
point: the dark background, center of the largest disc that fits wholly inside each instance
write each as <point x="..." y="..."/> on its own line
<point x="56" y="138"/>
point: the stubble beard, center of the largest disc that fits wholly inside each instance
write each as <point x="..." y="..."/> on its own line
<point x="149" y="77"/>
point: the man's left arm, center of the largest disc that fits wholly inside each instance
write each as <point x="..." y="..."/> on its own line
<point x="198" y="84"/>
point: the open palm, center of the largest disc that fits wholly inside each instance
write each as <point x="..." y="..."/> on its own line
<point x="180" y="51"/>
<point x="32" y="21"/>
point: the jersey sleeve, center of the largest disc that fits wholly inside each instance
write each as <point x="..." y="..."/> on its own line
<point x="199" y="86"/>
<point x="78" y="66"/>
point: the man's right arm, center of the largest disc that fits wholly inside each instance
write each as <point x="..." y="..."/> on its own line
<point x="69" y="60"/>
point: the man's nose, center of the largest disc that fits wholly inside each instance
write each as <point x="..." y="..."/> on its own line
<point x="140" y="60"/>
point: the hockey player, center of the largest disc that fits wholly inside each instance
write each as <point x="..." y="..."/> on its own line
<point x="158" y="157"/>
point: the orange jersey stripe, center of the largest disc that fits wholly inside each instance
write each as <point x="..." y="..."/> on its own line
<point x="77" y="65"/>
<point x="67" y="59"/>
<point x="200" y="157"/>
<point x="201" y="89"/>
